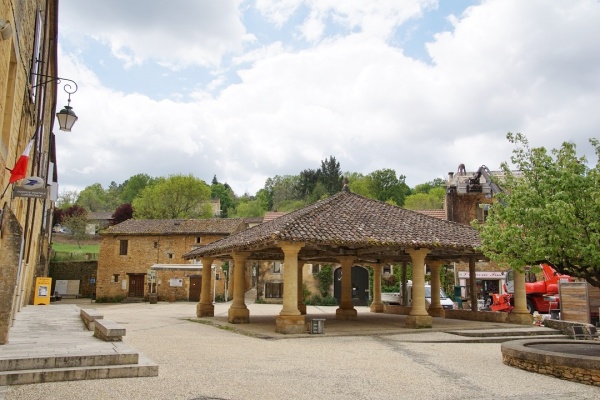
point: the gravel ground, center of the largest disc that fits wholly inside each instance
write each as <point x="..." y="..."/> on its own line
<point x="199" y="361"/>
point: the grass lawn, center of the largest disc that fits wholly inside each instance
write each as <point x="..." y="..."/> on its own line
<point x="73" y="248"/>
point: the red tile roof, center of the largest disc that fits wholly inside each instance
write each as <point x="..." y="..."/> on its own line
<point x="351" y="222"/>
<point x="219" y="226"/>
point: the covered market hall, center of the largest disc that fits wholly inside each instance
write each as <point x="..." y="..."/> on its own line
<point x="346" y="229"/>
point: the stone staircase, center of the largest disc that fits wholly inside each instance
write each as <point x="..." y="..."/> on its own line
<point x="51" y="344"/>
<point x="500" y="335"/>
<point x="27" y="370"/>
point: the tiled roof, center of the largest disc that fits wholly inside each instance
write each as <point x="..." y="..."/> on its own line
<point x="222" y="226"/>
<point x="271" y="215"/>
<point x="100" y="215"/>
<point x="350" y="221"/>
<point x="439" y="213"/>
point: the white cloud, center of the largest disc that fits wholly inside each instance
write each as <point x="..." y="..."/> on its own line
<point x="508" y="65"/>
<point x="176" y="34"/>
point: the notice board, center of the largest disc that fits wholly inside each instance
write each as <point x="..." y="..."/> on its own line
<point x="574" y="302"/>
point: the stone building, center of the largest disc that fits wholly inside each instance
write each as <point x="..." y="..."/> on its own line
<point x="139" y="257"/>
<point x="28" y="97"/>
<point x="468" y="197"/>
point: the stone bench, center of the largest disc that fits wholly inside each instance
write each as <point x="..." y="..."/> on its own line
<point x="89" y="315"/>
<point x="108" y="330"/>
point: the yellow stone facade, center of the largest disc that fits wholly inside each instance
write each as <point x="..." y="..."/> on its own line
<point x="27" y="111"/>
<point x="116" y="271"/>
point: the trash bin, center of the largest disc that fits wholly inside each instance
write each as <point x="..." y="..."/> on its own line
<point x="555" y="313"/>
<point x="317" y="325"/>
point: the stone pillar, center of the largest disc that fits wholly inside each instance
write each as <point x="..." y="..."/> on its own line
<point x="435" y="309"/>
<point x="418" y="317"/>
<point x="346" y="309"/>
<point x="238" y="312"/>
<point x="404" y="291"/>
<point x="520" y="314"/>
<point x="473" y="283"/>
<point x="289" y="319"/>
<point x="301" y="305"/>
<point x="377" y="305"/>
<point x="206" y="308"/>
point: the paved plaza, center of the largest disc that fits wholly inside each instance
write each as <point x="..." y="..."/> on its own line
<point x="351" y="360"/>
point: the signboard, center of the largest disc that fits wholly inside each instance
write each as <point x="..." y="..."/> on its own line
<point x="151" y="276"/>
<point x="482" y="275"/>
<point x="40" y="193"/>
<point x="42" y="291"/>
<point x="574" y="302"/>
<point x="176" y="282"/>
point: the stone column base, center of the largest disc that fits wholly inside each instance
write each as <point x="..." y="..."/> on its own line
<point x="302" y="309"/>
<point x="205" y="310"/>
<point x="419" y="321"/>
<point x="436" y="312"/>
<point x="345" y="314"/>
<point x="290" y="324"/>
<point x="521" y="319"/>
<point x="376" y="308"/>
<point x="238" y="316"/>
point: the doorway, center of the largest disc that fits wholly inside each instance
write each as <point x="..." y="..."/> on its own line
<point x="195" y="288"/>
<point x="136" y="285"/>
<point x="360" y="286"/>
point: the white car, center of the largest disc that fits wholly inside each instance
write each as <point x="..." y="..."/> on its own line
<point x="396" y="298"/>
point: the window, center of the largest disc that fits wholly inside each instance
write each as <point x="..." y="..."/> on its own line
<point x="482" y="211"/>
<point x="123" y="244"/>
<point x="274" y="290"/>
<point x="316" y="268"/>
<point x="115" y="278"/>
<point x="169" y="255"/>
<point x="387" y="270"/>
<point x="198" y="240"/>
<point x="156" y="245"/>
<point x="276" y="267"/>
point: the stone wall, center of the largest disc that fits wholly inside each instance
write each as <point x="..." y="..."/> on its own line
<point x="477" y="315"/>
<point x="572" y="367"/>
<point x="9" y="261"/>
<point x="84" y="271"/>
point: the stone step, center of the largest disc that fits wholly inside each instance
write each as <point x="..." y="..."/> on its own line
<point x="533" y="331"/>
<point x="491" y="339"/>
<point x="72" y="361"/>
<point x="143" y="368"/>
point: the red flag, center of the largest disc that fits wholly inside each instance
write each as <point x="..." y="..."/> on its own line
<point x="20" y="169"/>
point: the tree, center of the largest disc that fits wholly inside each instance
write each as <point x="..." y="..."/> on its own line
<point x="133" y="186"/>
<point x="330" y="175"/>
<point x="122" y="213"/>
<point x="548" y="212"/>
<point x="177" y="196"/>
<point x="432" y="200"/>
<point x="66" y="199"/>
<point x="75" y="218"/>
<point x="386" y="186"/>
<point x="93" y="198"/>
<point x="225" y="194"/>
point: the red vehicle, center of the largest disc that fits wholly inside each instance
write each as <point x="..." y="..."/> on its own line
<point x="542" y="296"/>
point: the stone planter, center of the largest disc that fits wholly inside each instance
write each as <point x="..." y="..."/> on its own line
<point x="153" y="298"/>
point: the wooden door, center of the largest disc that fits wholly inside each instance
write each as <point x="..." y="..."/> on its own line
<point x="136" y="285"/>
<point x="195" y="288"/>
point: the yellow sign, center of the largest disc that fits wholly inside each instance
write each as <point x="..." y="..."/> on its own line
<point x="42" y="291"/>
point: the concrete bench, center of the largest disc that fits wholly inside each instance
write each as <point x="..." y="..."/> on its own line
<point x="109" y="331"/>
<point x="89" y="315"/>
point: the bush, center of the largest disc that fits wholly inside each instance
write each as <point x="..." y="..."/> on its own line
<point x="317" y="300"/>
<point x="107" y="299"/>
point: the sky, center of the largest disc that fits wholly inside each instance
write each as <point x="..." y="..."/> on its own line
<point x="250" y="89"/>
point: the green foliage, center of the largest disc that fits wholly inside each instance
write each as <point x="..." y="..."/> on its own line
<point x="433" y="199"/>
<point x="549" y="212"/>
<point x="134" y="185"/>
<point x="225" y="194"/>
<point x="317" y="300"/>
<point x="107" y="299"/>
<point x="178" y="196"/>
<point x="330" y="175"/>
<point x="325" y="279"/>
<point x="247" y="208"/>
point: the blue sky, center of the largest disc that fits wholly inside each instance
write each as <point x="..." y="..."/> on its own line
<point x="248" y="90"/>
